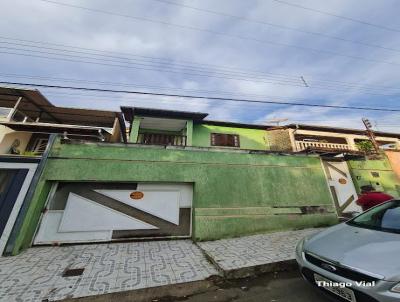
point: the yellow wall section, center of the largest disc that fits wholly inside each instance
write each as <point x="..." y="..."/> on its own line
<point x="8" y="136"/>
<point x="250" y="139"/>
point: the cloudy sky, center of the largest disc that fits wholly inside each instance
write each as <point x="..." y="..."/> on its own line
<point x="255" y="49"/>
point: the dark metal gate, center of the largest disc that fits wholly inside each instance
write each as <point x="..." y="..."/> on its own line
<point x="11" y="181"/>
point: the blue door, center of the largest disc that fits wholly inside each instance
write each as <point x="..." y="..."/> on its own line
<point x="11" y="181"/>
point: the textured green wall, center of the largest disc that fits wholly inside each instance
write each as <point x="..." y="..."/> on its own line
<point x="361" y="171"/>
<point x="32" y="217"/>
<point x="234" y="193"/>
<point x="211" y="228"/>
<point x="250" y="139"/>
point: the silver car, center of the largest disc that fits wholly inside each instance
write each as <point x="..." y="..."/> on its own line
<point x="358" y="260"/>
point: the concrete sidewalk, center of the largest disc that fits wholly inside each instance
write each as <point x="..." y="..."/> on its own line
<point x="140" y="271"/>
<point x="246" y="256"/>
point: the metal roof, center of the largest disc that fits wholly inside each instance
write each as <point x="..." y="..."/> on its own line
<point x="56" y="128"/>
<point x="35" y="105"/>
<point x="130" y="112"/>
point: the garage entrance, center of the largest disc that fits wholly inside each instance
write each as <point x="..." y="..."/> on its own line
<point x="91" y="212"/>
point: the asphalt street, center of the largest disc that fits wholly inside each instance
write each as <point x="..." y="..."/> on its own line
<point x="276" y="287"/>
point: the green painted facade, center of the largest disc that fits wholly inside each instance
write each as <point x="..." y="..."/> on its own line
<point x="250" y="139"/>
<point x="133" y="136"/>
<point x="378" y="173"/>
<point x="199" y="135"/>
<point x="235" y="193"/>
<point x="189" y="133"/>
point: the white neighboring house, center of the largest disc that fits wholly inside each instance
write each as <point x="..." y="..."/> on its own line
<point x="27" y="119"/>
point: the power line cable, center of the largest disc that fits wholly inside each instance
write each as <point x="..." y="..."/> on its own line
<point x="202" y="97"/>
<point x="151" y="69"/>
<point x="168" y="68"/>
<point x="255" y="107"/>
<point x="177" y="101"/>
<point x="337" y="16"/>
<point x="147" y="57"/>
<point x="276" y="25"/>
<point x="149" y="62"/>
<point x="277" y="75"/>
<point x="147" y="101"/>
<point x="285" y="83"/>
<point x="210" y="31"/>
<point x="164" y="88"/>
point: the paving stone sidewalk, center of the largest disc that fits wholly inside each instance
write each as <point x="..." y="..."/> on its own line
<point x="36" y="274"/>
<point x="237" y="254"/>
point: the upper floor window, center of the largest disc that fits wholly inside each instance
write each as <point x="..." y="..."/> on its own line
<point x="225" y="140"/>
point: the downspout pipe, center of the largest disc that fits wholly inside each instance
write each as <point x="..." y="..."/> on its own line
<point x="28" y="197"/>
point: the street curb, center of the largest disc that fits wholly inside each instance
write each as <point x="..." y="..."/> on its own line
<point x="212" y="261"/>
<point x="178" y="290"/>
<point x="250" y="271"/>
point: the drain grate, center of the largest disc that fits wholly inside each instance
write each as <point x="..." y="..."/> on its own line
<point x="72" y="272"/>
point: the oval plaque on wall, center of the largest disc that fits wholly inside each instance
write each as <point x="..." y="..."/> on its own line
<point x="136" y="195"/>
<point x="342" y="181"/>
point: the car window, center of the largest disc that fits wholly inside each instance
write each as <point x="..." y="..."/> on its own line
<point x="385" y="217"/>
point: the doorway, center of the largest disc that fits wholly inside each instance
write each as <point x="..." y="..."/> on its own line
<point x="342" y="188"/>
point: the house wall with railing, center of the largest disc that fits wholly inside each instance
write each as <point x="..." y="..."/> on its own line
<point x="301" y="139"/>
<point x="162" y="137"/>
<point x="350" y="144"/>
<point x="235" y="192"/>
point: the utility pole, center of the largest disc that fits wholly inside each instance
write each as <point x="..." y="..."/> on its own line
<point x="371" y="134"/>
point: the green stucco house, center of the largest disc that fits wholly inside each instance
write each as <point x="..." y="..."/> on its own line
<point x="175" y="174"/>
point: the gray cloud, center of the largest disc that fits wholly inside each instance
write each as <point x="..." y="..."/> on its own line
<point x="37" y="20"/>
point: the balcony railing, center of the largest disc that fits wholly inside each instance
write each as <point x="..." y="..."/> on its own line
<point x="161" y="139"/>
<point x="303" y="145"/>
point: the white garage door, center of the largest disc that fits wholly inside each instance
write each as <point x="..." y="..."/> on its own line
<point x="88" y="212"/>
